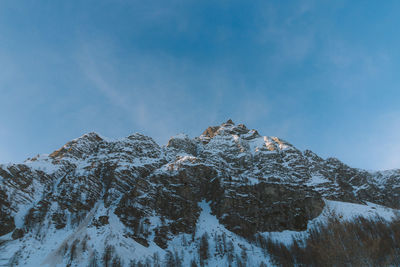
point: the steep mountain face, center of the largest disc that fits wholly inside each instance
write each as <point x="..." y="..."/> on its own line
<point x="124" y="202"/>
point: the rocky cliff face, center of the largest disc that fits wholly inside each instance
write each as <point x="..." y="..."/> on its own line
<point x="99" y="201"/>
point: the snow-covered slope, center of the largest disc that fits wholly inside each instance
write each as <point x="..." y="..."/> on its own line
<point x="200" y="201"/>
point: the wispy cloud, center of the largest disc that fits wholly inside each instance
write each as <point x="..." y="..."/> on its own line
<point x="155" y="92"/>
<point x="100" y="79"/>
<point x="352" y="68"/>
<point x="304" y="70"/>
<point x="291" y="43"/>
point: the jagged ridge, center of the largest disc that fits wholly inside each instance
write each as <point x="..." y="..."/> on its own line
<point x="92" y="186"/>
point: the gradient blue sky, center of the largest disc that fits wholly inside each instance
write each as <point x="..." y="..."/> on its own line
<point x="324" y="75"/>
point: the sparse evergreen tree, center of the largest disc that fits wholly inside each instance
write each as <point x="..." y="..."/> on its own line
<point x="133" y="263"/>
<point x="156" y="259"/>
<point x="203" y="249"/>
<point x="230" y="251"/>
<point x="73" y="249"/>
<point x="218" y="245"/>
<point x="116" y="262"/>
<point x="193" y="263"/>
<point x="107" y="255"/>
<point x="64" y="248"/>
<point x="194" y="234"/>
<point x="148" y="262"/>
<point x="169" y="259"/>
<point x="224" y="242"/>
<point x="239" y="262"/>
<point x="84" y="243"/>
<point x="243" y="254"/>
<point x="184" y="241"/>
<point x="93" y="260"/>
<point x="178" y="260"/>
<point x="360" y="242"/>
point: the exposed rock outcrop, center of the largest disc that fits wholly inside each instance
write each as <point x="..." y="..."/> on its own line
<point x="252" y="183"/>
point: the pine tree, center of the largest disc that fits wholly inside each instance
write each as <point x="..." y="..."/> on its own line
<point x="203" y="249"/>
<point x="156" y="259"/>
<point x="93" y="260"/>
<point x="169" y="259"/>
<point x="107" y="255"/>
<point x="193" y="263"/>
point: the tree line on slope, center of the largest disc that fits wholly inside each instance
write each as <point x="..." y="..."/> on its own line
<point x="359" y="242"/>
<point x="224" y="249"/>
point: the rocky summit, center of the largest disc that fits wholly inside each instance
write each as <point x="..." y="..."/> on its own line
<point x="202" y="201"/>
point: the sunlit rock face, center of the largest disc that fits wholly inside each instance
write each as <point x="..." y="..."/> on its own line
<point x="99" y="192"/>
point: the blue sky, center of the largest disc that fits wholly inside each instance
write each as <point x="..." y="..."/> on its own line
<point x="321" y="74"/>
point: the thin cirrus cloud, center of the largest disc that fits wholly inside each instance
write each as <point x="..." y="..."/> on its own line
<point x="153" y="92"/>
<point x="319" y="74"/>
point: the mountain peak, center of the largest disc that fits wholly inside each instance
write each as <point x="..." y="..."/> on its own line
<point x="92" y="136"/>
<point x="85" y="144"/>
<point x="225" y="128"/>
<point x="230" y="184"/>
<point x="230" y="122"/>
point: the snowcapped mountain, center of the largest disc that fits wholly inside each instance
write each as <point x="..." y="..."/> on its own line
<point x="193" y="202"/>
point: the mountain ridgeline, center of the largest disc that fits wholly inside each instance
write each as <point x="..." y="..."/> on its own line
<point x="206" y="201"/>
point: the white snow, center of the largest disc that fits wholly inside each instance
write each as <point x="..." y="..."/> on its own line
<point x="208" y="223"/>
<point x="45" y="247"/>
<point x="180" y="136"/>
<point x="344" y="210"/>
<point x="316" y="180"/>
